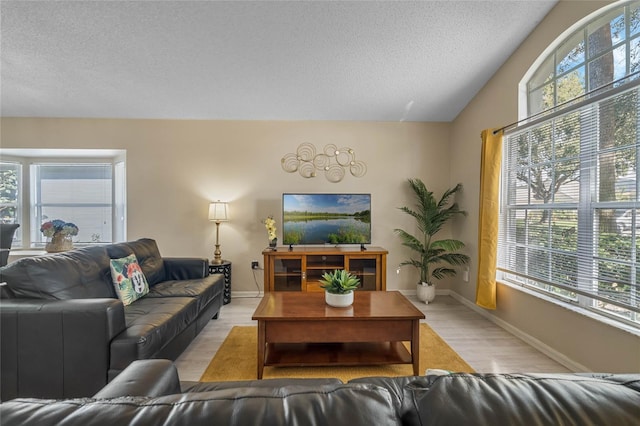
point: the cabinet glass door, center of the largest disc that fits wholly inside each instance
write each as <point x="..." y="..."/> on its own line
<point x="287" y="274"/>
<point x="365" y="269"/>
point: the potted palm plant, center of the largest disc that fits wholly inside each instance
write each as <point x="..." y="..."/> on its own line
<point x="435" y="258"/>
<point x="339" y="286"/>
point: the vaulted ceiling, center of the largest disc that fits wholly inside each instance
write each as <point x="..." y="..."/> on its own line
<point x="255" y="60"/>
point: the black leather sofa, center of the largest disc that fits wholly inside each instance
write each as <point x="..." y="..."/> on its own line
<point x="149" y="392"/>
<point x="64" y="332"/>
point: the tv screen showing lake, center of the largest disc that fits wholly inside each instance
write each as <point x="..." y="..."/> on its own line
<point x="326" y="218"/>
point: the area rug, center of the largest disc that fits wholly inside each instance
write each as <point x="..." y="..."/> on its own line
<point x="237" y="359"/>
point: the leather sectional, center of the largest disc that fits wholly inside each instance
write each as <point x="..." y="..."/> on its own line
<point x="149" y="392"/>
<point x="66" y="334"/>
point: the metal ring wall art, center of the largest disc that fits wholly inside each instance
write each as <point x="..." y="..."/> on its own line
<point x="332" y="160"/>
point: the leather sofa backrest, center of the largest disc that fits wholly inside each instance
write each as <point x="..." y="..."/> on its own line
<point x="401" y="395"/>
<point x="81" y="273"/>
<point x="148" y="255"/>
<point x="526" y="399"/>
<point x="336" y="404"/>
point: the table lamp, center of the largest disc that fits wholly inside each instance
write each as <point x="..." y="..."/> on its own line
<point x="218" y="212"/>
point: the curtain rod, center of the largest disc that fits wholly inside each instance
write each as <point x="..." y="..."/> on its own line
<point x="546" y="111"/>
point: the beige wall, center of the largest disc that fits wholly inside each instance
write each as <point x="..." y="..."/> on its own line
<point x="175" y="168"/>
<point x="590" y="343"/>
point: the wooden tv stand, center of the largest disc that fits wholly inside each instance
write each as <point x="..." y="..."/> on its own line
<point x="300" y="268"/>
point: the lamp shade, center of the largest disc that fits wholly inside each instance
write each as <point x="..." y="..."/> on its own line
<point x="219" y="211"/>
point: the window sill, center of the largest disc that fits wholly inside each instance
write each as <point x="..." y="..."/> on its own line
<point x="575" y="309"/>
<point x="19" y="254"/>
<point x="27" y="252"/>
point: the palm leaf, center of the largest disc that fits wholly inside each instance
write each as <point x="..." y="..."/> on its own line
<point x="454" y="258"/>
<point x="448" y="245"/>
<point x="410" y="241"/>
<point x="440" y="273"/>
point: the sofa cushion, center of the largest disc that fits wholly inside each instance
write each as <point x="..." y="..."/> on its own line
<point x="203" y="289"/>
<point x="81" y="273"/>
<point x="148" y="255"/>
<point x="525" y="399"/>
<point x="401" y="394"/>
<point x="128" y="279"/>
<point x="151" y="324"/>
<point x="341" y="404"/>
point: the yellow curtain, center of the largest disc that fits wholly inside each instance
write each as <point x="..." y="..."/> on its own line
<point x="488" y="220"/>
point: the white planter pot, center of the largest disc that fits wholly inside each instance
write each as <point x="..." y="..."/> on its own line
<point x="426" y="293"/>
<point x="338" y="300"/>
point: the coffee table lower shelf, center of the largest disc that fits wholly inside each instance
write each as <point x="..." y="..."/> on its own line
<point x="338" y="354"/>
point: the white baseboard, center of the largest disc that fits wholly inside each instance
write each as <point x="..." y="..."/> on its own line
<point x="445" y="292"/>
<point x="530" y="340"/>
<point x="253" y="294"/>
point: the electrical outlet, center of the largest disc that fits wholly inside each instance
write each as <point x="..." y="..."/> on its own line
<point x="255" y="264"/>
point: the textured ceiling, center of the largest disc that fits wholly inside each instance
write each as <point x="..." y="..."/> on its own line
<point x="258" y="60"/>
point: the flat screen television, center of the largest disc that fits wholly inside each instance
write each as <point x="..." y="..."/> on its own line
<point x="326" y="219"/>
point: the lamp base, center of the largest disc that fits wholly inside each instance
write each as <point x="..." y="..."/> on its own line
<point x="217" y="254"/>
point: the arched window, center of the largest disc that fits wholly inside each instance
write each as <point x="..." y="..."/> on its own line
<point x="570" y="216"/>
<point x="604" y="50"/>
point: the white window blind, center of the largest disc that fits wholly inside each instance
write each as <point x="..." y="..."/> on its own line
<point x="570" y="215"/>
<point x="74" y="192"/>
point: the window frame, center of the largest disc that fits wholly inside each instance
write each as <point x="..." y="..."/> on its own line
<point x="29" y="227"/>
<point x="17" y="238"/>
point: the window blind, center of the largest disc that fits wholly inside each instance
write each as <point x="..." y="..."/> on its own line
<point x="570" y="210"/>
<point x="74" y="192"/>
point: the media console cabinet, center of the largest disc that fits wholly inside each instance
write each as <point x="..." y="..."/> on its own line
<point x="301" y="268"/>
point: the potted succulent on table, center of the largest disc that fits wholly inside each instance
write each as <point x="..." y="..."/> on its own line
<point x="430" y="215"/>
<point x="339" y="286"/>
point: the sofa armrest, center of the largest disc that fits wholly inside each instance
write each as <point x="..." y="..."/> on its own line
<point x="56" y="348"/>
<point x="185" y="268"/>
<point x="150" y="377"/>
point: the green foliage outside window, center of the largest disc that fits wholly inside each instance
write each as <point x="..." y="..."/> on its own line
<point x="8" y="193"/>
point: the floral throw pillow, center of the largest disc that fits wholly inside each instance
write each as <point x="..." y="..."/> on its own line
<point x="128" y="279"/>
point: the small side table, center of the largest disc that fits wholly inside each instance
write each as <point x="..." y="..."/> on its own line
<point x="223" y="268"/>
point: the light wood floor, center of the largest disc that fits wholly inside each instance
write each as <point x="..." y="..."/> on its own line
<point x="485" y="346"/>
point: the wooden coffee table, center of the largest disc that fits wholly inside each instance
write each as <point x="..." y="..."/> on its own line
<point x="300" y="329"/>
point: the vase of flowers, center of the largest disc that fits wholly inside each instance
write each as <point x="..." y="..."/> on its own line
<point x="270" y="224"/>
<point x="58" y="233"/>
